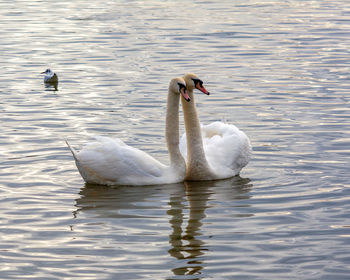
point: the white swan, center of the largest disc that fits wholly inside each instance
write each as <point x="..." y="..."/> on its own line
<point x="217" y="150"/>
<point x="110" y="161"/>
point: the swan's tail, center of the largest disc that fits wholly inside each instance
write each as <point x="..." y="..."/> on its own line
<point x="74" y="152"/>
<point x="81" y="170"/>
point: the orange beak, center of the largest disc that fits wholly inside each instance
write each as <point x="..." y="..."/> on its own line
<point x="202" y="89"/>
<point x="185" y="94"/>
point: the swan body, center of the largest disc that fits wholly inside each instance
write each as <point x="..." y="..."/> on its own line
<point x="215" y="151"/>
<point x="227" y="149"/>
<point x="110" y="161"/>
<point x="50" y="77"/>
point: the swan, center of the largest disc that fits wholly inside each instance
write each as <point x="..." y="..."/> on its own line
<point x="215" y="151"/>
<point x="110" y="161"/>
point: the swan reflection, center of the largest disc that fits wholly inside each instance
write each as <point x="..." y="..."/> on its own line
<point x="188" y="244"/>
<point x="101" y="201"/>
<point x="187" y="207"/>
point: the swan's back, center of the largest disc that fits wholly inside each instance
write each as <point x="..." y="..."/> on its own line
<point x="110" y="161"/>
<point x="226" y="145"/>
<point x="227" y="149"/>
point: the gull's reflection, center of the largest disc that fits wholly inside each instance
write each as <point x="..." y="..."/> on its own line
<point x="187" y="243"/>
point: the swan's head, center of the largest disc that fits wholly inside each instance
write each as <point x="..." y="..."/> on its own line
<point x="178" y="85"/>
<point x="192" y="82"/>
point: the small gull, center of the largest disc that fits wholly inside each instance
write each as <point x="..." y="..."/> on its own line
<point x="50" y="77"/>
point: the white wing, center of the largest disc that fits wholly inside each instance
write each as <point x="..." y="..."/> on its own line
<point x="111" y="161"/>
<point x="227" y="149"/>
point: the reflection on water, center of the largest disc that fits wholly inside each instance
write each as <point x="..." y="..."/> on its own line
<point x="119" y="201"/>
<point x="186" y="242"/>
<point x="187" y="205"/>
<point x="279" y="70"/>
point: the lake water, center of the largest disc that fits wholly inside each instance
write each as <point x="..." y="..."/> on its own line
<point x="279" y="70"/>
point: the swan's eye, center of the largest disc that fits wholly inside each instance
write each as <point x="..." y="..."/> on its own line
<point x="181" y="86"/>
<point x="197" y="81"/>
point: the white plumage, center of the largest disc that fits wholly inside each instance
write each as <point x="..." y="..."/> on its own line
<point x="50" y="76"/>
<point x="109" y="161"/>
<point x="214" y="151"/>
<point x="227" y="149"/>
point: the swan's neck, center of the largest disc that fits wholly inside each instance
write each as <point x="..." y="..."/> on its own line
<point x="172" y="133"/>
<point x="197" y="164"/>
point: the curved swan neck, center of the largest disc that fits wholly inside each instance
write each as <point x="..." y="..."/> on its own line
<point x="197" y="165"/>
<point x="172" y="131"/>
<point x="193" y="129"/>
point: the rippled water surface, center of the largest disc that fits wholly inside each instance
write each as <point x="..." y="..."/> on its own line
<point x="279" y="70"/>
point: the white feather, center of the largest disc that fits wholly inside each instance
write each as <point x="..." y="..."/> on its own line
<point x="110" y="161"/>
<point x="227" y="149"/>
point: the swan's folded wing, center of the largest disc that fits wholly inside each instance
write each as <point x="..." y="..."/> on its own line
<point x="227" y="149"/>
<point x="113" y="160"/>
<point x="226" y="146"/>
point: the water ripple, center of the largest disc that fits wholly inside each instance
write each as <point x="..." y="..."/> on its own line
<point x="279" y="71"/>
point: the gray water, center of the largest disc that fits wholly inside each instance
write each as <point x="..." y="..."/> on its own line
<point x="279" y="70"/>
